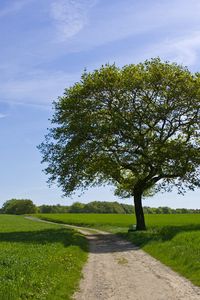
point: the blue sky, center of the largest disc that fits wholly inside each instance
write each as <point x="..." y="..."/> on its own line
<point x="45" y="46"/>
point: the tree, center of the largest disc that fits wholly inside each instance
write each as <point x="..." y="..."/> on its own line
<point x="53" y="209"/>
<point x="19" y="207"/>
<point x="137" y="128"/>
<point x="103" y="207"/>
<point x="76" y="207"/>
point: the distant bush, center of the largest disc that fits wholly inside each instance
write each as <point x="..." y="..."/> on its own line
<point x="19" y="207"/>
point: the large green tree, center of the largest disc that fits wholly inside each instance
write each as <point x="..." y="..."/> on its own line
<point x="19" y="207"/>
<point x="136" y="127"/>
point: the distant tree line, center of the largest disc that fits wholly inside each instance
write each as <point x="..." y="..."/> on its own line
<point x="92" y="207"/>
<point x="26" y="206"/>
<point x="168" y="210"/>
<point x="103" y="207"/>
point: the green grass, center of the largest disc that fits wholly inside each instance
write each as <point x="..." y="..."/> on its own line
<point x="172" y="239"/>
<point x="175" y="246"/>
<point x="90" y="220"/>
<point x="39" y="261"/>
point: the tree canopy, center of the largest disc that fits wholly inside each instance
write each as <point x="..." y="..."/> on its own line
<point x="136" y="127"/>
<point x="19" y="207"/>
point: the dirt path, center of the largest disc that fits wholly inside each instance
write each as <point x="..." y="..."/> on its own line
<point x="116" y="270"/>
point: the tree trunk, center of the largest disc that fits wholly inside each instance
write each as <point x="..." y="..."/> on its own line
<point x="140" y="222"/>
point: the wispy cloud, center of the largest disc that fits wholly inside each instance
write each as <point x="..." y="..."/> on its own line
<point x="184" y="49"/>
<point x="39" y="88"/>
<point x="70" y="16"/>
<point x="147" y="29"/>
<point x="2" y="116"/>
<point x="14" y="7"/>
<point x="119" y="20"/>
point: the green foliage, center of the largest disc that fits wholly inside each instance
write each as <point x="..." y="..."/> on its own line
<point x="76" y="207"/>
<point x="101" y="207"/>
<point x="137" y="128"/>
<point x="172" y="239"/>
<point x="53" y="208"/>
<point x="91" y="207"/>
<point x="19" y="207"/>
<point x="133" y="127"/>
<point x="106" y="207"/>
<point x="39" y="261"/>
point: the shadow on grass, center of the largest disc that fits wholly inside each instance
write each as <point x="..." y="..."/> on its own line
<point x="163" y="234"/>
<point x="100" y="243"/>
<point x="68" y="237"/>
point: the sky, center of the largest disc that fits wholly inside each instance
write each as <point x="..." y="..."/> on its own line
<point x="44" y="48"/>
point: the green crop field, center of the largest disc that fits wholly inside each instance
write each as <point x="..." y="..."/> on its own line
<point x="39" y="261"/>
<point x="115" y="221"/>
<point x="173" y="239"/>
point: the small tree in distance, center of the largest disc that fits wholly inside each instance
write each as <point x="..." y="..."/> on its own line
<point x="19" y="207"/>
<point x="137" y="128"/>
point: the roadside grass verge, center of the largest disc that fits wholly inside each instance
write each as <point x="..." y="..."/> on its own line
<point x="177" y="247"/>
<point x="172" y="239"/>
<point x="39" y="261"/>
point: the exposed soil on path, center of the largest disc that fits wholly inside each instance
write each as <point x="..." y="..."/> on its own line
<point x="117" y="270"/>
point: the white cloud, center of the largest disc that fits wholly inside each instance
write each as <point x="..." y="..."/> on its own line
<point x="70" y="16"/>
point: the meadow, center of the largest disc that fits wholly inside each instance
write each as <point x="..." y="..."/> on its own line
<point x="172" y="239"/>
<point x="39" y="261"/>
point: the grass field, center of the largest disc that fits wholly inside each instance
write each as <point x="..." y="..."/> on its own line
<point x="39" y="261"/>
<point x="173" y="239"/>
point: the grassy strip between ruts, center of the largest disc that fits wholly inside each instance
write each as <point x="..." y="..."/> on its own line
<point x="172" y="239"/>
<point x="39" y="261"/>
